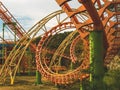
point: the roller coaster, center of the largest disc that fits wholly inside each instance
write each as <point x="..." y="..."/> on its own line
<point x="95" y="22"/>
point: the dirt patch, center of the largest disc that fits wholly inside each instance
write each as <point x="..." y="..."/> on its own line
<point x="27" y="83"/>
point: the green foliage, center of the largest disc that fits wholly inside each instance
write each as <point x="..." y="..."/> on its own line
<point x="53" y="43"/>
<point x="57" y="39"/>
<point x="79" y="48"/>
<point x="112" y="79"/>
<point x="73" y="86"/>
<point x="112" y="7"/>
<point x="36" y="40"/>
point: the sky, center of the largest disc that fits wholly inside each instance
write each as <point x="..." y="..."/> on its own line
<point x="28" y="12"/>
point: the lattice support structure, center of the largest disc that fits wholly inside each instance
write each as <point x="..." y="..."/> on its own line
<point x="8" y="18"/>
<point x="102" y="19"/>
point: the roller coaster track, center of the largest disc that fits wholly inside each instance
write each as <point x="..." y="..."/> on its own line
<point x="14" y="26"/>
<point x="53" y="51"/>
<point x="105" y="24"/>
<point x="57" y="78"/>
<point x="52" y="76"/>
<point x="5" y="41"/>
<point x="10" y="67"/>
<point x="100" y="18"/>
<point x="11" y="62"/>
<point x="9" y="19"/>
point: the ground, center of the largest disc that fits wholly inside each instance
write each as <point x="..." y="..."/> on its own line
<point x="27" y="83"/>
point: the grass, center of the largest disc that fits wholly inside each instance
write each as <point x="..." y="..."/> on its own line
<point x="28" y="83"/>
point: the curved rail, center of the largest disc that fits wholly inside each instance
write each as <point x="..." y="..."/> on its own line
<point x="18" y="51"/>
<point x="107" y="23"/>
<point x="10" y="21"/>
<point x="48" y="73"/>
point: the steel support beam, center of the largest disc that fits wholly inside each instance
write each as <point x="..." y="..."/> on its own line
<point x="38" y="78"/>
<point x="96" y="59"/>
<point x="89" y="5"/>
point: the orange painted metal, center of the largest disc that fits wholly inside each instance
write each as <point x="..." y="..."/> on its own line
<point x="102" y="19"/>
<point x="88" y="4"/>
<point x="7" y="17"/>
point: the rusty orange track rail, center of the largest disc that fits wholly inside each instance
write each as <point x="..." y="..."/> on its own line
<point x="100" y="17"/>
<point x="8" y="18"/>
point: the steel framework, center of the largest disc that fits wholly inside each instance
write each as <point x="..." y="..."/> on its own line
<point x="91" y="16"/>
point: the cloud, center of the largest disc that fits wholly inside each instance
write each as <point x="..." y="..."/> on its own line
<point x="29" y="12"/>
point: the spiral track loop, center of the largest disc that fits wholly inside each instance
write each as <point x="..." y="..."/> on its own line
<point x="106" y="23"/>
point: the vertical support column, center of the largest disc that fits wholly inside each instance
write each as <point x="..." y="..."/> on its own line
<point x="96" y="60"/>
<point x="81" y="86"/>
<point x="3" y="45"/>
<point x="71" y="65"/>
<point x="38" y="77"/>
<point x="15" y="37"/>
<point x="29" y="62"/>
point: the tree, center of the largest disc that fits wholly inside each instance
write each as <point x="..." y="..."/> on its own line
<point x="112" y="79"/>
